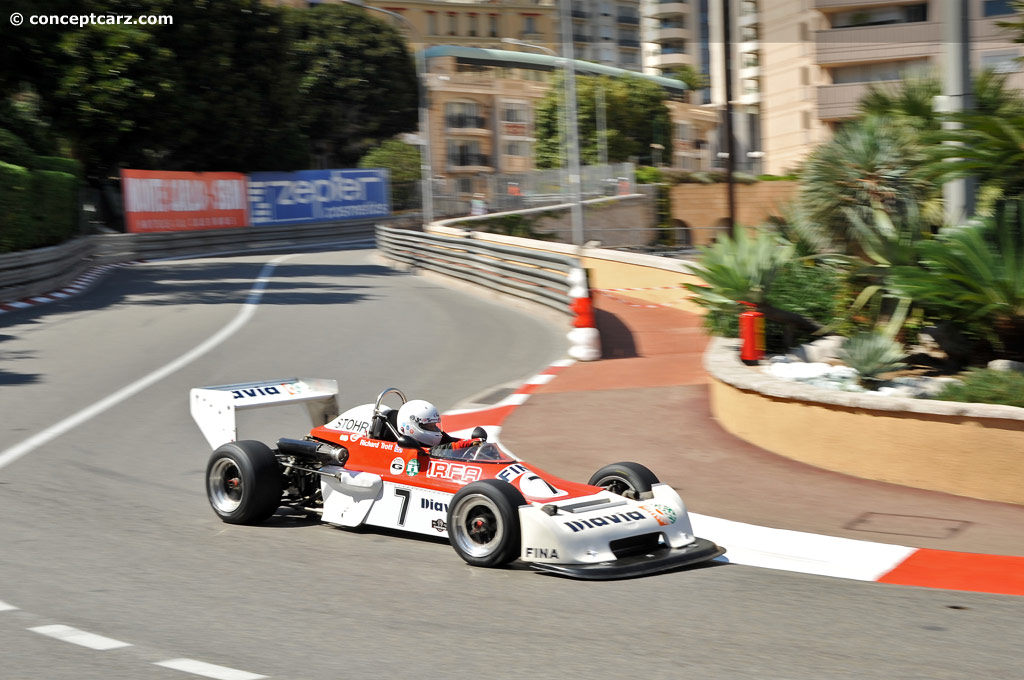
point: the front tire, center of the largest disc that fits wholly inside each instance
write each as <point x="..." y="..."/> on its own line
<point x="483" y="523"/>
<point x="243" y="482"/>
<point x="630" y="480"/>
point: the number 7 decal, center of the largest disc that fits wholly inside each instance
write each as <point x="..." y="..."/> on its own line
<point x="404" y="494"/>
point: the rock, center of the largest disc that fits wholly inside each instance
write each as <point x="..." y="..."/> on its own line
<point x="1006" y="365"/>
<point x="821" y="349"/>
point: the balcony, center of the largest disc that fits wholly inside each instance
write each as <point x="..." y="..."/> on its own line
<point x="839" y="102"/>
<point x="629" y="19"/>
<point x="468" y="159"/>
<point x="837" y="5"/>
<point x="629" y="42"/>
<point x="669" y="60"/>
<point x="891" y="42"/>
<point x="669" y="34"/>
<point x="666" y="8"/>
<point x="461" y="120"/>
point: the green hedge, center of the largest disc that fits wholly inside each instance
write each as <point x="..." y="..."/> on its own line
<point x="14" y="150"/>
<point x="38" y="208"/>
<point x="15" y="207"/>
<point x="986" y="386"/>
<point x="59" y="164"/>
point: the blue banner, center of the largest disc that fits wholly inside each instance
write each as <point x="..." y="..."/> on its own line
<point x="281" y="198"/>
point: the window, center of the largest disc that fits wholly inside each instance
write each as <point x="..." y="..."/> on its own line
<point x="1005" y="61"/>
<point x="472" y="25"/>
<point x="751" y="60"/>
<point x="431" y="23"/>
<point x="867" y="73"/>
<point x="805" y="75"/>
<point x="464" y="185"/>
<point x="750" y="86"/>
<point x="993" y="8"/>
<point x="679" y="22"/>
<point x="517" y="148"/>
<point x="515" y="112"/>
<point x="464" y="115"/>
<point x="900" y="14"/>
<point x="492" y="25"/>
<point x="805" y="120"/>
<point x="674" y="47"/>
<point x="805" y="33"/>
<point x="683" y="131"/>
<point x="529" y="24"/>
<point x="453" y="23"/>
<point x="749" y="33"/>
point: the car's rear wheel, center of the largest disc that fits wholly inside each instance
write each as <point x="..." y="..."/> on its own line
<point x="483" y="523"/>
<point x="243" y="482"/>
<point x="630" y="480"/>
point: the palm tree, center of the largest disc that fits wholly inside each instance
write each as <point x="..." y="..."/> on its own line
<point x="867" y="165"/>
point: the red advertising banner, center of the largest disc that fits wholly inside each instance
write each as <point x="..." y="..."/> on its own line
<point x="155" y="200"/>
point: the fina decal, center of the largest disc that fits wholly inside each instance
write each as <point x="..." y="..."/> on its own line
<point x="413" y="467"/>
<point x="662" y="514"/>
<point x="439" y="525"/>
<point x="542" y="553"/>
<point x="397" y="466"/>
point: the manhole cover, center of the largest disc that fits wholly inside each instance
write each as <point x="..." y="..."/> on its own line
<point x="908" y="525"/>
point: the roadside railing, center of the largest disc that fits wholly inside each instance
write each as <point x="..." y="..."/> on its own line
<point x="530" y="274"/>
<point x="36" y="272"/>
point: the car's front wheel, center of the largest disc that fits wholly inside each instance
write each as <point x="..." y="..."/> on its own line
<point x="631" y="480"/>
<point x="483" y="523"/>
<point x="243" y="482"/>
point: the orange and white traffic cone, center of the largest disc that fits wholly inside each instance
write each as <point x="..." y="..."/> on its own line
<point x="584" y="340"/>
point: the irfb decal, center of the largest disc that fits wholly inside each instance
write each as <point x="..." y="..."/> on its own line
<point x="662" y="514"/>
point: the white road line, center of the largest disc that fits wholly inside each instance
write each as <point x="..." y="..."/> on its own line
<point x="208" y="670"/>
<point x="244" y="314"/>
<point x="79" y="637"/>
<point x="4" y="607"/>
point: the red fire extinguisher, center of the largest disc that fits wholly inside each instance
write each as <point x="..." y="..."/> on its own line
<point x="752" y="334"/>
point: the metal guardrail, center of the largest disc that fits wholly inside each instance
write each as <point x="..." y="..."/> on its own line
<point x="531" y="274"/>
<point x="35" y="272"/>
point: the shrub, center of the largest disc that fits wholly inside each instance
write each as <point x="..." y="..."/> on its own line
<point x="14" y="150"/>
<point x="812" y="291"/>
<point x="59" y="164"/>
<point x="54" y="208"/>
<point x="872" y="353"/>
<point x="647" y="174"/>
<point x="986" y="386"/>
<point x="15" y="207"/>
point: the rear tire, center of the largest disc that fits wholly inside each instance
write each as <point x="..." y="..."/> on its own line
<point x="243" y="482"/>
<point x="483" y="523"/>
<point x="630" y="480"/>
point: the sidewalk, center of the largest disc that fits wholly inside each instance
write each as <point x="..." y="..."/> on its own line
<point x="647" y="402"/>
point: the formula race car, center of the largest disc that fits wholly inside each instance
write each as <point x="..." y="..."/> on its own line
<point x="356" y="469"/>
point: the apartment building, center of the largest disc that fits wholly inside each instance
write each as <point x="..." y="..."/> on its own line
<point x="863" y="42"/>
<point x="607" y="32"/>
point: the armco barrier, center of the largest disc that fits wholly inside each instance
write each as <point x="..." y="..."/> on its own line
<point x="35" y="272"/>
<point x="530" y="274"/>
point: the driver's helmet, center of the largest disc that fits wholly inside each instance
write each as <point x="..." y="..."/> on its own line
<point x="420" y="420"/>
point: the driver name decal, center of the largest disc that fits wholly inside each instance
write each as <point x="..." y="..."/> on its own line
<point x="456" y="472"/>
<point x="604" y="520"/>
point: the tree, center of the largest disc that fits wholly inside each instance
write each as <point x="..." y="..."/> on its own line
<point x="403" y="164"/>
<point x="694" y="79"/>
<point x="356" y="81"/>
<point x="867" y="165"/>
<point x="635" y="113"/>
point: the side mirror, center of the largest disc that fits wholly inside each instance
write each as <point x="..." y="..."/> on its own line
<point x="407" y="442"/>
<point x="478" y="433"/>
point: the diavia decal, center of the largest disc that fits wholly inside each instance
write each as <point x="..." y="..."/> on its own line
<point x="413" y="467"/>
<point x="662" y="514"/>
<point x="397" y="466"/>
<point x="456" y="472"/>
<point x="604" y="520"/>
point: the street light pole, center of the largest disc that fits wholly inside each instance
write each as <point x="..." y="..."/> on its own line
<point x="423" y="97"/>
<point x="571" y="127"/>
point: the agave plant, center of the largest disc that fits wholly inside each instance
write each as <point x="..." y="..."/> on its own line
<point x="744" y="269"/>
<point x="975" y="275"/>
<point x="871" y="354"/>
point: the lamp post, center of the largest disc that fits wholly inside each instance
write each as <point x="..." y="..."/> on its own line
<point x="426" y="165"/>
<point x="571" y="124"/>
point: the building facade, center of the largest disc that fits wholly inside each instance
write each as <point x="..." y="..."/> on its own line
<point x="607" y="32"/>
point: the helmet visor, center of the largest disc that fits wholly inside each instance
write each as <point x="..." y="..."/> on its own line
<point x="429" y="427"/>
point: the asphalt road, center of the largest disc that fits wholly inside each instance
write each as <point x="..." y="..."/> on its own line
<point x="106" y="527"/>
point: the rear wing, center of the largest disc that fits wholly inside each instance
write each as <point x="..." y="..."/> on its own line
<point x="213" y="408"/>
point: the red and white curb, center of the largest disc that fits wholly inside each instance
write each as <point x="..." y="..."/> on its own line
<point x="796" y="551"/>
<point x="78" y="286"/>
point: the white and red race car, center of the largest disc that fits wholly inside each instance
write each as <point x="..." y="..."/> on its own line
<point x="355" y="469"/>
